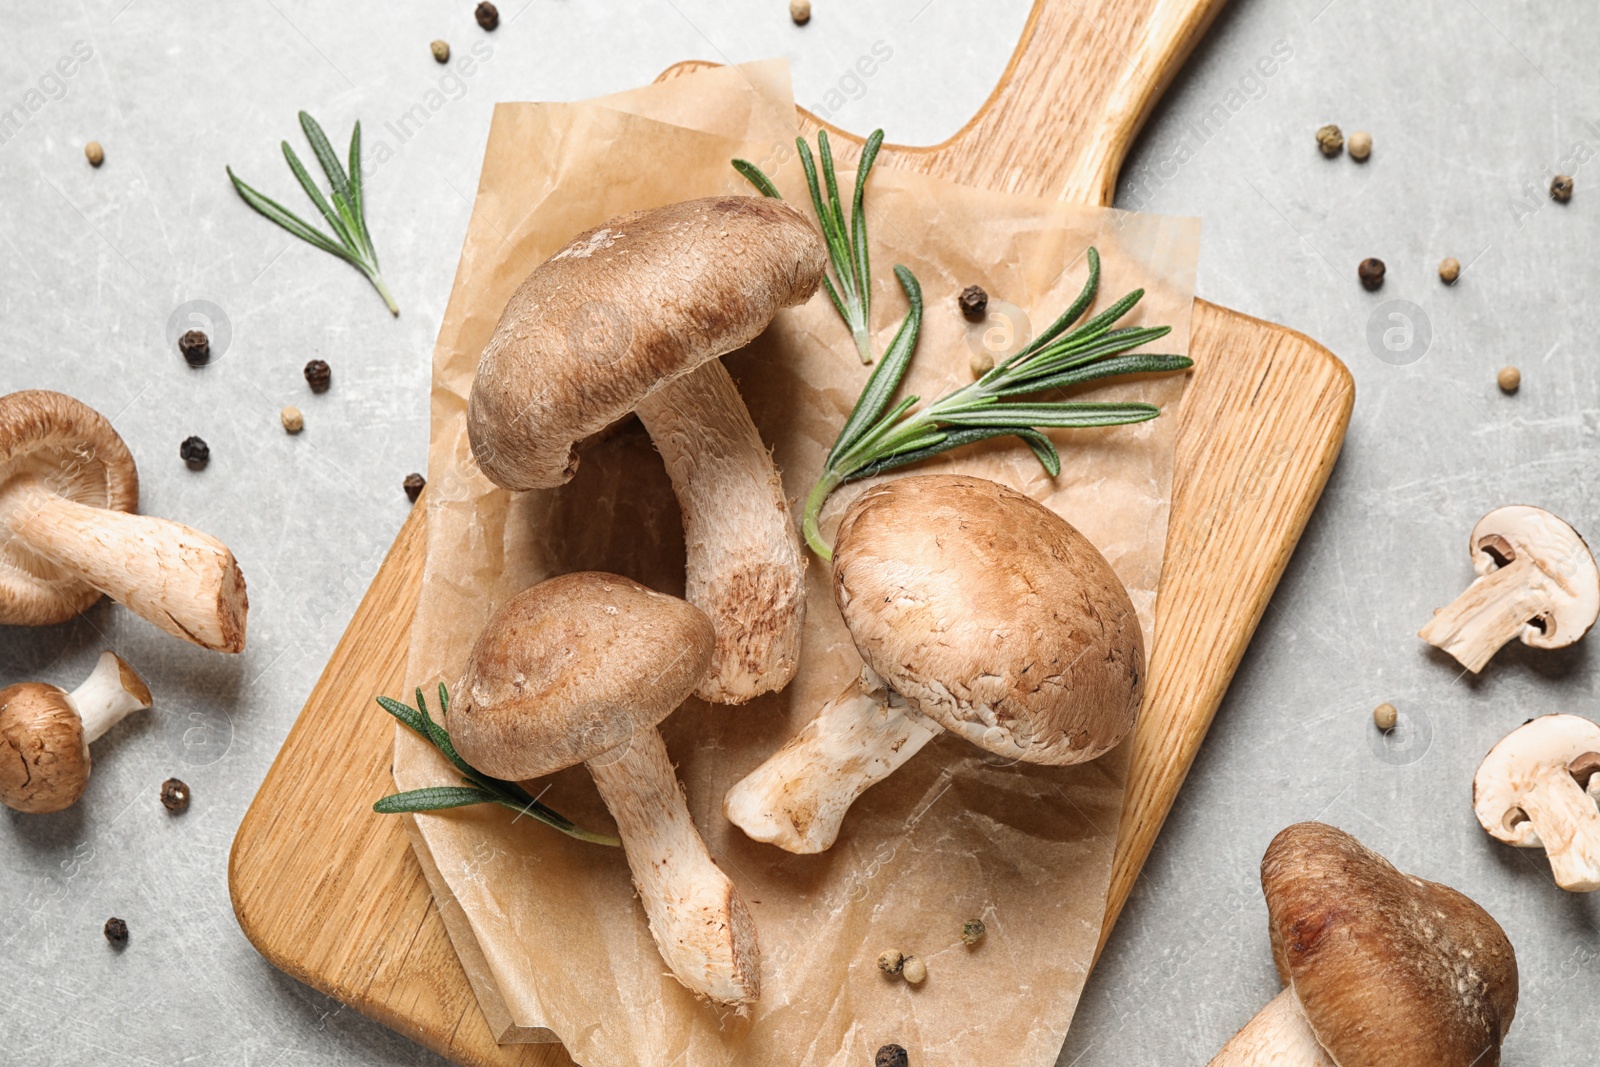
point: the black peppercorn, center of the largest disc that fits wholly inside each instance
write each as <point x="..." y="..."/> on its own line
<point x="890" y="1056"/>
<point x="175" y="796"/>
<point x="1561" y="188"/>
<point x="196" y="348"/>
<point x="1371" y="273"/>
<point x="413" y="486"/>
<point x="974" y="303"/>
<point x="318" y="375"/>
<point x="116" y="932"/>
<point x="195" y="452"/>
<point x="487" y="15"/>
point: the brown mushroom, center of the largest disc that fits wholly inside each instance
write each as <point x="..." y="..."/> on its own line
<point x="580" y="669"/>
<point x="1537" y="581"/>
<point x="632" y="317"/>
<point x="1379" y="967"/>
<point x="978" y="611"/>
<point x="45" y="733"/>
<point x="1535" y="789"/>
<point x="68" y="488"/>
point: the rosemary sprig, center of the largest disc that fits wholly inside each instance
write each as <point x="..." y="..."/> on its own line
<point x="476" y="787"/>
<point x="850" y="288"/>
<point x="877" y="438"/>
<point x="352" y="242"/>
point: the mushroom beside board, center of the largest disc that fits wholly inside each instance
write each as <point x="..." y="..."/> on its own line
<point x="978" y="611"/>
<point x="1379" y="967"/>
<point x="632" y="317"/>
<point x="68" y="487"/>
<point x="581" y="669"/>
<point x="1537" y="582"/>
<point x="45" y="733"/>
<point x="1539" y="787"/>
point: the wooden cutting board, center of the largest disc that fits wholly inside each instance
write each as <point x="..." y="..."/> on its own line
<point x="331" y="893"/>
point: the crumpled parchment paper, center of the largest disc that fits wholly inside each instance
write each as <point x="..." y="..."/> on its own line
<point x="554" y="942"/>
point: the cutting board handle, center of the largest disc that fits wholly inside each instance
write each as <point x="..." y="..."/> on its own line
<point x="1079" y="86"/>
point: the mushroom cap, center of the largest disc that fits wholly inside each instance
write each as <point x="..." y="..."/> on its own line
<point x="1539" y="747"/>
<point x="1521" y="530"/>
<point x="44" y="759"/>
<point x="1388" y="968"/>
<point x="991" y="614"/>
<point x="573" y="667"/>
<point x="52" y="441"/>
<point x="623" y="309"/>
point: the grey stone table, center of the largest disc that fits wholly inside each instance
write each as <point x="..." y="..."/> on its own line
<point x="1471" y="106"/>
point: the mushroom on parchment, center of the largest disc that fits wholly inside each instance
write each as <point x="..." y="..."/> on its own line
<point x="978" y="611"/>
<point x="1379" y="967"/>
<point x="581" y="669"/>
<point x="1537" y="581"/>
<point x="45" y="733"/>
<point x="632" y="317"/>
<point x="68" y="488"/>
<point x="1538" y="787"/>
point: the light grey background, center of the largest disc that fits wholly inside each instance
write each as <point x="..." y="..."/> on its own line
<point x="1469" y="103"/>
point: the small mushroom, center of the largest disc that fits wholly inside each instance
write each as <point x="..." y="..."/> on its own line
<point x="978" y="611"/>
<point x="45" y="733"/>
<point x="632" y="317"/>
<point x="1537" y="581"/>
<point x="1379" y="967"/>
<point x="1533" y="790"/>
<point x="580" y="669"/>
<point x="68" y="487"/>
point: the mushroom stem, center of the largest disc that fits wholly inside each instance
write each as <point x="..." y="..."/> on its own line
<point x="745" y="568"/>
<point x="697" y="916"/>
<point x="1278" y="1036"/>
<point x="1495" y="608"/>
<point x="108" y="695"/>
<point x="797" y="799"/>
<point x="1567" y="821"/>
<point x="180" y="579"/>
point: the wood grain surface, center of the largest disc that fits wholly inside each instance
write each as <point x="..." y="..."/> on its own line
<point x="331" y="893"/>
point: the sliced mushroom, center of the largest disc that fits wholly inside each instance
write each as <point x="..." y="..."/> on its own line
<point x="632" y="317"/>
<point x="580" y="669"/>
<point x="978" y="611"/>
<point x="67" y="488"/>
<point x="1537" y="582"/>
<point x="1531" y="791"/>
<point x="1380" y="967"/>
<point x="45" y="733"/>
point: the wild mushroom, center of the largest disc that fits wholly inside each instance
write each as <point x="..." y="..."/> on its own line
<point x="978" y="611"/>
<point x="632" y="317"/>
<point x="45" y="733"/>
<point x="1535" y="789"/>
<point x="1537" y="581"/>
<point x="1380" y="967"/>
<point x="68" y="487"/>
<point x="580" y="669"/>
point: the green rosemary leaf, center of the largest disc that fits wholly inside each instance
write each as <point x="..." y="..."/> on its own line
<point x="1056" y="414"/>
<point x="1067" y="357"/>
<point x="351" y="240"/>
<point x="858" y="220"/>
<point x="287" y="219"/>
<point x="837" y="253"/>
<point x="1105" y="368"/>
<point x="357" y="205"/>
<point x="406" y="715"/>
<point x="825" y="151"/>
<point x="885" y="379"/>
<point x="1103" y="322"/>
<point x="317" y="198"/>
<point x="755" y="177"/>
<point x="833" y="294"/>
<point x="1036" y="441"/>
<point x="1069" y="316"/>
<point x="432" y="798"/>
<point x="325" y="156"/>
